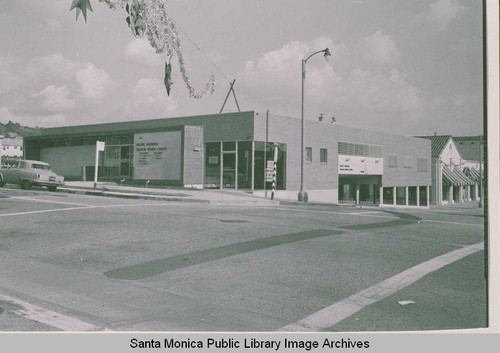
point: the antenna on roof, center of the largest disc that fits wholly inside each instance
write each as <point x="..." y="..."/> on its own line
<point x="231" y="89"/>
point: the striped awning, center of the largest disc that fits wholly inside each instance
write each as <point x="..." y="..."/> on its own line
<point x="455" y="177"/>
<point x="473" y="174"/>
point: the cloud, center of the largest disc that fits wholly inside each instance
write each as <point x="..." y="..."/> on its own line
<point x="441" y="13"/>
<point x="50" y="120"/>
<point x="380" y="48"/>
<point x="141" y="51"/>
<point x="55" y="98"/>
<point x="360" y="80"/>
<point x="94" y="82"/>
<point x="150" y="99"/>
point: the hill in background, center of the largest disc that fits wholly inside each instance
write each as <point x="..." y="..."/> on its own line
<point x="18" y="129"/>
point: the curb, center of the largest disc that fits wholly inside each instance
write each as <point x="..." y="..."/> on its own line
<point x="130" y="195"/>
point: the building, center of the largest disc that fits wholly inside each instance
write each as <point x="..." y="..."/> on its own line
<point x="450" y="184"/>
<point x="471" y="151"/>
<point x="235" y="150"/>
<point x="11" y="147"/>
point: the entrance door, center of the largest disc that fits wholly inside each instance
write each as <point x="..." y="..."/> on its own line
<point x="229" y="170"/>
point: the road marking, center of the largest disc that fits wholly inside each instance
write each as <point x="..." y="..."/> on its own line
<point x="47" y="211"/>
<point x="457" y="223"/>
<point x="364" y="214"/>
<point x="339" y="311"/>
<point x="49" y="317"/>
<point x="50" y="201"/>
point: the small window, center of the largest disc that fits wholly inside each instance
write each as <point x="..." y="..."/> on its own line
<point x="408" y="162"/>
<point x="323" y="155"/>
<point x="393" y="161"/>
<point x="422" y="165"/>
<point x="309" y="154"/>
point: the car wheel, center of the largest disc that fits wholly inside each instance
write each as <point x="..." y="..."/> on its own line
<point x="26" y="185"/>
<point x="52" y="188"/>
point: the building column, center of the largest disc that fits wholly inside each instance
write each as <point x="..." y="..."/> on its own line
<point x="236" y="166"/>
<point x="468" y="193"/>
<point x="381" y="201"/>
<point x="418" y="196"/>
<point x="406" y="196"/>
<point x="394" y="196"/>
<point x="450" y="195"/>
<point x="476" y="192"/>
<point x="357" y="193"/>
<point x="428" y="195"/>
<point x="221" y="171"/>
<point x="253" y="167"/>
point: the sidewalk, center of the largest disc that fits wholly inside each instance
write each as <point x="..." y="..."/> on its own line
<point x="208" y="196"/>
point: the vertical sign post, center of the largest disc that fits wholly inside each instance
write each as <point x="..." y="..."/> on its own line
<point x="99" y="146"/>
<point x="275" y="161"/>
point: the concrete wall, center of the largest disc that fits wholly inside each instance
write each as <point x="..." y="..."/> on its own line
<point x="158" y="156"/>
<point x="194" y="152"/>
<point x="68" y="160"/>
<point x="318" y="176"/>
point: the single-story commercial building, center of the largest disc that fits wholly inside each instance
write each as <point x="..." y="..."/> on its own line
<point x="235" y="150"/>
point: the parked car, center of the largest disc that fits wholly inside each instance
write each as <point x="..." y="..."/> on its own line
<point x="30" y="173"/>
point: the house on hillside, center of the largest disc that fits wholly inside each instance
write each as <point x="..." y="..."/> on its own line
<point x="450" y="181"/>
<point x="11" y="147"/>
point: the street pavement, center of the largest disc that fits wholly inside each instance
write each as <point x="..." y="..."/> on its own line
<point x="77" y="262"/>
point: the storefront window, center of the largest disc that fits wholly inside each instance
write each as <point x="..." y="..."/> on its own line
<point x="423" y="196"/>
<point x="244" y="165"/>
<point x="388" y="194"/>
<point x="412" y="195"/>
<point x="400" y="195"/>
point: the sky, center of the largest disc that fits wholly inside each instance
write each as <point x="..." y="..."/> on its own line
<point x="409" y="67"/>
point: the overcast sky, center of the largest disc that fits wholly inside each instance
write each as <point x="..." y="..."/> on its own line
<point x="408" y="67"/>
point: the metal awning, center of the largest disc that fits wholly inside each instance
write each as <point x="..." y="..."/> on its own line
<point x="473" y="174"/>
<point x="455" y="177"/>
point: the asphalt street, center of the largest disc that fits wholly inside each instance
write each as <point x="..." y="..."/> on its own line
<point x="85" y="263"/>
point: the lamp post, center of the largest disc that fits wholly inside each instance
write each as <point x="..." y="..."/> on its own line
<point x="302" y="194"/>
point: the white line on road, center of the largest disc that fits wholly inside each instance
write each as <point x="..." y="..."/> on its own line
<point x="50" y="201"/>
<point x="49" y="317"/>
<point x="339" y="311"/>
<point x="47" y="211"/>
<point x="370" y="214"/>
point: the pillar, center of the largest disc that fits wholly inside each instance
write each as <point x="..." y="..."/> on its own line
<point x="253" y="167"/>
<point x="406" y="196"/>
<point x="450" y="196"/>
<point x="381" y="201"/>
<point x="357" y="193"/>
<point x="221" y="171"/>
<point x="418" y="196"/>
<point x="394" y="196"/>
<point x="428" y="195"/>
<point x="236" y="166"/>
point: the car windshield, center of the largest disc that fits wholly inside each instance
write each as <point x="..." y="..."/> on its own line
<point x="40" y="166"/>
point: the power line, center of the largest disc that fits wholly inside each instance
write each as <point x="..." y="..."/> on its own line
<point x="202" y="53"/>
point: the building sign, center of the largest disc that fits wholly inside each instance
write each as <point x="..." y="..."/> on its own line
<point x="157" y="156"/>
<point x="100" y="145"/>
<point x="360" y="165"/>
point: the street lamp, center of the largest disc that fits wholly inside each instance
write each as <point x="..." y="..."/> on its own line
<point x="302" y="194"/>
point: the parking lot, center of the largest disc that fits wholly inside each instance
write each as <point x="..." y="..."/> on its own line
<point x="87" y="263"/>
